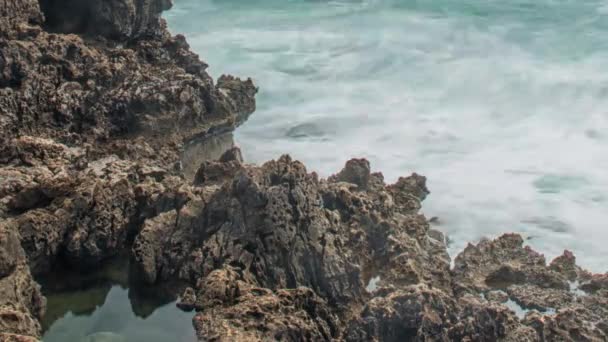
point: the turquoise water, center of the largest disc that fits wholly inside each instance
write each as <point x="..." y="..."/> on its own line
<point x="503" y="105"/>
<point x="100" y="307"/>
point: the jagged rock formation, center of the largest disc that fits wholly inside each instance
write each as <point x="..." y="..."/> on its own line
<point x="21" y="303"/>
<point x="99" y="109"/>
<point x="275" y="253"/>
<point x="98" y="90"/>
<point x="98" y="102"/>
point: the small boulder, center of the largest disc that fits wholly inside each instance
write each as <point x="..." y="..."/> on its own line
<point x="187" y="300"/>
<point x="356" y="171"/>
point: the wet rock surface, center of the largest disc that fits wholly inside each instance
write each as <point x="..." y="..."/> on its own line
<point x="258" y="233"/>
<point x="97" y="104"/>
<point x="96" y="117"/>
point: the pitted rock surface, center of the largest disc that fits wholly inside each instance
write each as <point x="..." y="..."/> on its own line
<point x="98" y="106"/>
<point x="97" y="101"/>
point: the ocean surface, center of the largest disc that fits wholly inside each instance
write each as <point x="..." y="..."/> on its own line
<point x="503" y="105"/>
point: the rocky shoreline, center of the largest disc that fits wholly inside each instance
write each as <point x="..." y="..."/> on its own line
<point x="113" y="138"/>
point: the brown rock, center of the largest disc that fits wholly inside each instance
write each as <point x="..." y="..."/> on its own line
<point x="187" y="300"/>
<point x="97" y="101"/>
<point x="499" y="263"/>
<point x="415" y="312"/>
<point x="595" y="283"/>
<point x="110" y="18"/>
<point x="262" y="315"/>
<point x="101" y="109"/>
<point x="146" y="247"/>
<point x="566" y="265"/>
<point x="21" y="303"/>
<point x="276" y="226"/>
<point x="497" y="296"/>
<point x="356" y="171"/>
<point x="542" y="299"/>
<point x="482" y="321"/>
<point x="7" y="337"/>
<point x="233" y="154"/>
<point x="571" y="324"/>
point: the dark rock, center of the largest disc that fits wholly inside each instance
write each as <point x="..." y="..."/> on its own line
<point x="505" y="264"/>
<point x="109" y="18"/>
<point x="105" y="118"/>
<point x="187" y="300"/>
<point x="269" y="222"/>
<point x="481" y="321"/>
<point x="146" y="245"/>
<point x="267" y="227"/>
<point x="576" y="323"/>
<point x="233" y="154"/>
<point x="258" y="314"/>
<point x="221" y="287"/>
<point x="500" y="263"/>
<point x="214" y="172"/>
<point x="165" y="242"/>
<point x="566" y="265"/>
<point x="240" y="96"/>
<point x="96" y="103"/>
<point x="414" y="184"/>
<point x="138" y="81"/>
<point x="595" y="283"/>
<point x="21" y="302"/>
<point x="412" y="313"/>
<point x="356" y="171"/>
<point x="497" y="296"/>
<point x="542" y="299"/>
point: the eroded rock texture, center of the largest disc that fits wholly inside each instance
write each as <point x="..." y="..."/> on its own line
<point x="98" y="107"/>
<point x="260" y="238"/>
<point x="257" y="239"/>
<point x="21" y="303"/>
<point x="97" y="87"/>
<point x="97" y="104"/>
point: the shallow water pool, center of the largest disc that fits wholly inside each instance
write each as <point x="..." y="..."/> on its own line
<point x="103" y="307"/>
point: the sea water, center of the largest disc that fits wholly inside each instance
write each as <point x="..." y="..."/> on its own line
<point x="502" y="104"/>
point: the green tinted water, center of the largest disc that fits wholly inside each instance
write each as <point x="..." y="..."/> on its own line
<point x="101" y="307"/>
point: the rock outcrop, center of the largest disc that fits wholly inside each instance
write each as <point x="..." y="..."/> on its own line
<point x="98" y="103"/>
<point x="112" y="139"/>
<point x="126" y="77"/>
<point x="21" y="302"/>
<point x="286" y="228"/>
<point x="256" y="238"/>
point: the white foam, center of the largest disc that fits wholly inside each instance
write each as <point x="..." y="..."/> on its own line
<point x="575" y="289"/>
<point x="372" y="285"/>
<point x="485" y="98"/>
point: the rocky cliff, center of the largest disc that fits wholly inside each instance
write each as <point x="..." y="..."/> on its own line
<point x="113" y="137"/>
<point x="98" y="104"/>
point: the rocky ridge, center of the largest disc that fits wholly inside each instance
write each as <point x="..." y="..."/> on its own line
<point x="272" y="252"/>
<point x="99" y="104"/>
